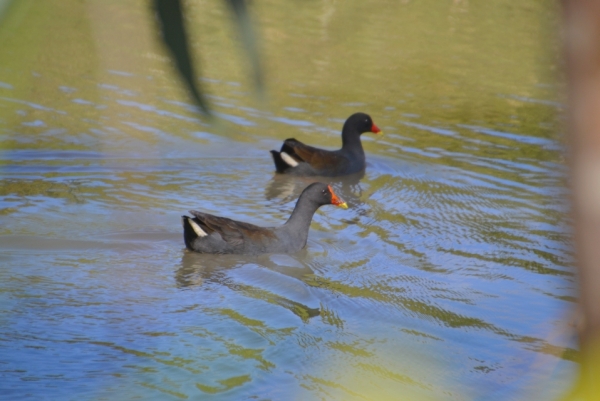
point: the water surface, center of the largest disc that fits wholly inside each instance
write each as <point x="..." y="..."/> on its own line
<point x="448" y="278"/>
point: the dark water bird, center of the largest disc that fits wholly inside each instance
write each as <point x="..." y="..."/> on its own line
<point x="206" y="233"/>
<point x="297" y="158"/>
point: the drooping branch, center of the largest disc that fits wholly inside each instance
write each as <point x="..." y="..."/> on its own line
<point x="582" y="56"/>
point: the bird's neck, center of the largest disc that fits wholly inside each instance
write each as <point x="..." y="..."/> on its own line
<point x="351" y="142"/>
<point x="299" y="222"/>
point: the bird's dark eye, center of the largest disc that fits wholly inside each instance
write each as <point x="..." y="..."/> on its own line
<point x="324" y="191"/>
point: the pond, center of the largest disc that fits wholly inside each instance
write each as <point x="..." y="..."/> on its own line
<point x="449" y="276"/>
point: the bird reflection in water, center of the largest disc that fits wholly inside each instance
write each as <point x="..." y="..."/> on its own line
<point x="288" y="188"/>
<point x="202" y="270"/>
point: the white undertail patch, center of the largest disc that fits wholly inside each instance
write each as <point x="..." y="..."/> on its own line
<point x="197" y="228"/>
<point x="289" y="160"/>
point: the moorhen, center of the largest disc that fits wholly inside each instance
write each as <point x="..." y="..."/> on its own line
<point x="206" y="233"/>
<point x="297" y="158"/>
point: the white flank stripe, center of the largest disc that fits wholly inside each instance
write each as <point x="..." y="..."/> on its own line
<point x="197" y="228"/>
<point x="288" y="159"/>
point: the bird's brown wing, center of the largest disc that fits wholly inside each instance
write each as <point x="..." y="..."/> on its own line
<point x="317" y="158"/>
<point x="233" y="232"/>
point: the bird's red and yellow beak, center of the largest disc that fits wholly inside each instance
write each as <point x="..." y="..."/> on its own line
<point x="335" y="200"/>
<point x="375" y="129"/>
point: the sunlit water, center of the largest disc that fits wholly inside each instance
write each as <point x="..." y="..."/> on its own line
<point x="447" y="278"/>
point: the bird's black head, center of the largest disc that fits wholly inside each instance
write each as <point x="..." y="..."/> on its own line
<point x="323" y="194"/>
<point x="361" y="123"/>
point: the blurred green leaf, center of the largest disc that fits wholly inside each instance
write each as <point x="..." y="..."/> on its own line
<point x="170" y="18"/>
<point x="248" y="38"/>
